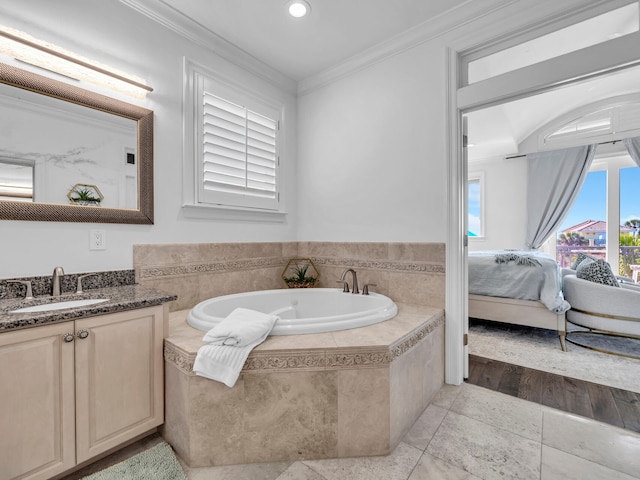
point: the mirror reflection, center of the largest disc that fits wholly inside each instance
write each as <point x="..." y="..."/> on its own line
<point x="71" y="155"/>
<point x="54" y="151"/>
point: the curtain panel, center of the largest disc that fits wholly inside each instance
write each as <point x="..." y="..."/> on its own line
<point x="554" y="179"/>
<point x="633" y="146"/>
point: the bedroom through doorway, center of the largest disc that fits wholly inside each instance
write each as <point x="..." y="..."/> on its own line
<point x="499" y="138"/>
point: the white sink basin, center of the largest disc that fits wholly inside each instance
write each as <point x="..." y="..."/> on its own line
<point x="60" y="305"/>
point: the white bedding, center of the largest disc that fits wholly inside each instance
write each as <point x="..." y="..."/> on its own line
<point x="509" y="280"/>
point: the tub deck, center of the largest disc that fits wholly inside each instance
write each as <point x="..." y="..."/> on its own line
<point x="326" y="395"/>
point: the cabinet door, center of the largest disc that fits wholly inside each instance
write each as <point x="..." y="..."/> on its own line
<point x="119" y="378"/>
<point x="37" y="427"/>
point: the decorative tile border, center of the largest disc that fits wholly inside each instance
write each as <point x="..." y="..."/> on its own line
<point x="396" y="266"/>
<point x="214" y="267"/>
<point x="181" y="359"/>
<point x="270" y="362"/>
<point x="403" y="347"/>
<point x="371" y="359"/>
<point x="310" y="360"/>
<point x="253" y="263"/>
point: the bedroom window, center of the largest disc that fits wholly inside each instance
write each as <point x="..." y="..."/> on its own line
<point x="604" y="221"/>
<point x="475" y="207"/>
<point x="585" y="227"/>
<point x="629" y="222"/>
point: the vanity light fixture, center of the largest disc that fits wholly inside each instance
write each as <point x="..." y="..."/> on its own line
<point x="298" y="8"/>
<point x="25" y="48"/>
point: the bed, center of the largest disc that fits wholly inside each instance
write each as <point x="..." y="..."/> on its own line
<point x="518" y="287"/>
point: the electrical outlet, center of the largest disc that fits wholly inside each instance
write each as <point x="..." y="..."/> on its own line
<point x="97" y="240"/>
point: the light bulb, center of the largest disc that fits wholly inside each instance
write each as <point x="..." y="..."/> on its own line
<point x="298" y="8"/>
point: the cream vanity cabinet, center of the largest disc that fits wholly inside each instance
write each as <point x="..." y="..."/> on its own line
<point x="70" y="391"/>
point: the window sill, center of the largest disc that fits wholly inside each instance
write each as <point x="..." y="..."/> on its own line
<point x="222" y="212"/>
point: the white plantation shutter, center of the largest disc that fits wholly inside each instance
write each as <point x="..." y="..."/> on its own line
<point x="239" y="155"/>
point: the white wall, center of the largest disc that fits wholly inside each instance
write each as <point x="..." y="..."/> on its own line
<point x="372" y="146"/>
<point x="372" y="153"/>
<point x="505" y="203"/>
<point x="116" y="35"/>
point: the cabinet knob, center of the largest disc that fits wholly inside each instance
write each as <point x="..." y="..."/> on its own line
<point x="68" y="337"/>
<point x="83" y="334"/>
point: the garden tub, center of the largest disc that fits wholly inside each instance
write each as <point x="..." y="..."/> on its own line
<point x="300" y="311"/>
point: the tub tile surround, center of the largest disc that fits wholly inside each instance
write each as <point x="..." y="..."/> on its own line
<point x="355" y="392"/>
<point x="412" y="273"/>
<point x="332" y="395"/>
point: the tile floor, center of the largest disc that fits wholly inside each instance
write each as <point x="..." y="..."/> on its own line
<point x="469" y="432"/>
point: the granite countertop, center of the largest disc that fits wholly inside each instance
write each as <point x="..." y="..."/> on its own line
<point x="121" y="298"/>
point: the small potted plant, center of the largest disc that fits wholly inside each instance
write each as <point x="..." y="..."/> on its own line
<point x="297" y="274"/>
<point x="81" y="194"/>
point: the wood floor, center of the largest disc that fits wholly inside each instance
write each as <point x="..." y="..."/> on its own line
<point x="606" y="404"/>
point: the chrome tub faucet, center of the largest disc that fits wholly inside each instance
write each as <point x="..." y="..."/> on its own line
<point x="355" y="281"/>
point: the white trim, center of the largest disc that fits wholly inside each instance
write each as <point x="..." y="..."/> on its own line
<point x="613" y="218"/>
<point x="456" y="261"/>
<point x="582" y="64"/>
<point x="167" y="16"/>
<point x="558" y="20"/>
<point x="451" y="20"/>
<point x="222" y="212"/>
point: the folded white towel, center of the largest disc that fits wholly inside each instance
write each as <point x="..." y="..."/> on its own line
<point x="229" y="343"/>
<point x="242" y="327"/>
<point x="221" y="363"/>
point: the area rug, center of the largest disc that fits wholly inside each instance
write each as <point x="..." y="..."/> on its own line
<point x="157" y="463"/>
<point x="540" y="349"/>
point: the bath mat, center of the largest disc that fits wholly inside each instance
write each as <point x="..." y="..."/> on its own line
<point x="157" y="463"/>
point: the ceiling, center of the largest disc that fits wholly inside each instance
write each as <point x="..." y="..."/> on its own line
<point x="500" y="130"/>
<point x="337" y="30"/>
<point x="334" y="30"/>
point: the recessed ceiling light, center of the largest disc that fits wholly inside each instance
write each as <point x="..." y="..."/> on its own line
<point x="298" y="8"/>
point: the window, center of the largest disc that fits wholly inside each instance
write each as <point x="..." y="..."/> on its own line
<point x="238" y="159"/>
<point x="231" y="156"/>
<point x="603" y="222"/>
<point x="584" y="229"/>
<point x="607" y="124"/>
<point x="475" y="207"/>
<point x="629" y="220"/>
<point x="612" y="24"/>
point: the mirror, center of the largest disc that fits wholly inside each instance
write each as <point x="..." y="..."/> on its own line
<point x="92" y="161"/>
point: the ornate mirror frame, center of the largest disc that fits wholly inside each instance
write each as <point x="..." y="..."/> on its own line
<point x="48" y="212"/>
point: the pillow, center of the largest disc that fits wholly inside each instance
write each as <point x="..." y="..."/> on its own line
<point x="597" y="271"/>
<point x="580" y="258"/>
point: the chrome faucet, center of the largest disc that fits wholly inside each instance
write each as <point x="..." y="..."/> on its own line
<point x="58" y="273"/>
<point x="355" y="280"/>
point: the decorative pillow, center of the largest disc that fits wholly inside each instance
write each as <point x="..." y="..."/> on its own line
<point x="580" y="258"/>
<point x="597" y="271"/>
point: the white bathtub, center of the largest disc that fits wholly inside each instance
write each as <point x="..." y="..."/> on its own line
<point x="304" y="310"/>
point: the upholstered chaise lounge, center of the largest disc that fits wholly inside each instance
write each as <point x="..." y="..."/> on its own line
<point x="602" y="308"/>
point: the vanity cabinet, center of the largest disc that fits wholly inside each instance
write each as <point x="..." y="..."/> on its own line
<point x="70" y="391"/>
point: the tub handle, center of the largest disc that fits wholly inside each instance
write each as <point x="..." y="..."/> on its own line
<point x="345" y="285"/>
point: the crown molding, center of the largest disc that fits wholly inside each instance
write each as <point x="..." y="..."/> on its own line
<point x="165" y="15"/>
<point x="437" y="26"/>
